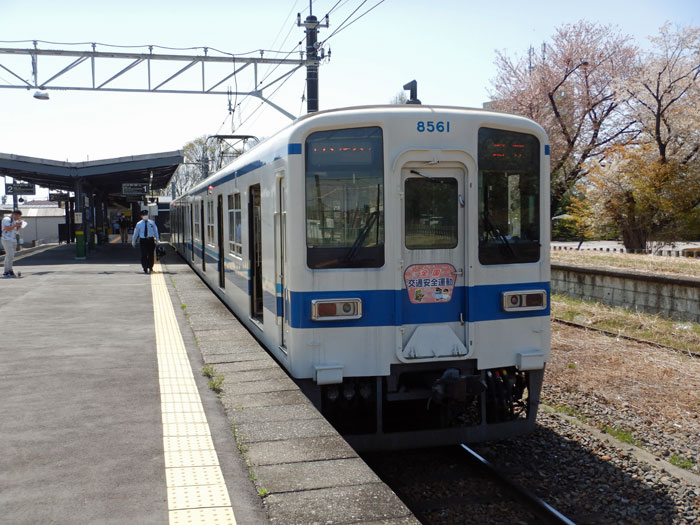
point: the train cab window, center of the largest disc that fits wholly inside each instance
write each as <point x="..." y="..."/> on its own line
<point x="509" y="197"/>
<point x="431" y="213"/>
<point x="345" y="198"/>
<point x="235" y="244"/>
<point x="210" y="223"/>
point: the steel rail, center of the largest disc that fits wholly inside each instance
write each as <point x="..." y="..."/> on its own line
<point x="540" y="508"/>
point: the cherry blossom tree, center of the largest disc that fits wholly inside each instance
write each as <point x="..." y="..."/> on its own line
<point x="573" y="91"/>
<point x="650" y="189"/>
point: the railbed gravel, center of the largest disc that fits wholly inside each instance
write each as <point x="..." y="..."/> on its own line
<point x="652" y="394"/>
<point x="598" y="381"/>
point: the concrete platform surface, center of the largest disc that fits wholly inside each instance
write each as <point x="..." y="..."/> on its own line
<point x="97" y="416"/>
<point x="307" y="471"/>
<point x="82" y="432"/>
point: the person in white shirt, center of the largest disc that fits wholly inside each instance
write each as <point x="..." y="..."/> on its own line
<point x="146" y="233"/>
<point x="10" y="225"/>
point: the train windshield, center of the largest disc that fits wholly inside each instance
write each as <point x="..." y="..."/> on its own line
<point x="509" y="197"/>
<point x="345" y="198"/>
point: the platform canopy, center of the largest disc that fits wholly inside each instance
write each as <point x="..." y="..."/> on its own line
<point x="101" y="176"/>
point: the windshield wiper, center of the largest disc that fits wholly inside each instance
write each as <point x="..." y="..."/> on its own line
<point x="495" y="232"/>
<point x="362" y="235"/>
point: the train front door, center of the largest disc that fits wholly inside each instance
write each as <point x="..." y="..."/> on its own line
<point x="434" y="263"/>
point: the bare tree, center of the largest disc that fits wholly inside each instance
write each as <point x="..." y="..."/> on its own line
<point x="399" y="98"/>
<point x="664" y="94"/>
<point x="571" y="90"/>
<point x="203" y="156"/>
<point x="200" y="162"/>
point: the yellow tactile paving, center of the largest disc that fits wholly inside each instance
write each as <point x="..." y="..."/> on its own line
<point x="214" y="516"/>
<point x="196" y="488"/>
<point x="191" y="476"/>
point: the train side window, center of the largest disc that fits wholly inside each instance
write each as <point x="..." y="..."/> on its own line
<point x="210" y="223"/>
<point x="235" y="244"/>
<point x="345" y="198"/>
<point x="509" y="197"/>
<point x="431" y="213"/>
<point x="197" y="225"/>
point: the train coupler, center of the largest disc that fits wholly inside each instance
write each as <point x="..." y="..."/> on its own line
<point x="454" y="386"/>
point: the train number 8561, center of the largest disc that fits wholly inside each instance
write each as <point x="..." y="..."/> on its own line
<point x="433" y="127"/>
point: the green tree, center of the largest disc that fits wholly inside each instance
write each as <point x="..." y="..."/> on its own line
<point x="645" y="198"/>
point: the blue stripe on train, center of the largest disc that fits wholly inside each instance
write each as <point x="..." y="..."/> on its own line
<point x="393" y="307"/>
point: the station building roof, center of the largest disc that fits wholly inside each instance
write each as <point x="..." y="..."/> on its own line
<point x="104" y="176"/>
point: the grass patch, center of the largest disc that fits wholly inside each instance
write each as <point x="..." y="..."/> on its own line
<point x="215" y="383"/>
<point x="208" y="370"/>
<point x="681" y="461"/>
<point x="569" y="411"/>
<point x="183" y="305"/>
<point x="682" y="335"/>
<point x="621" y="435"/>
<point x="263" y="493"/>
<point x="644" y="263"/>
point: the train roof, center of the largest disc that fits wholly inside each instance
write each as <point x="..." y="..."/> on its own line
<point x="271" y="142"/>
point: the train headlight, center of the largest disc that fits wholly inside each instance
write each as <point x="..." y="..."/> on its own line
<point x="526" y="300"/>
<point x="336" y="309"/>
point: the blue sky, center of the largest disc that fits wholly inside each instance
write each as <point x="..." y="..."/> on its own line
<point x="447" y="46"/>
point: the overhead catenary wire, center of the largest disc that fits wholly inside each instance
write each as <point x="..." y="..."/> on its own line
<point x="343" y="24"/>
<point x="206" y="49"/>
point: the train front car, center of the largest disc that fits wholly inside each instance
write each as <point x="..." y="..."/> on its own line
<point x="420" y="313"/>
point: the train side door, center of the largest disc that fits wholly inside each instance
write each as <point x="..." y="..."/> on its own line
<point x="203" y="230"/>
<point x="255" y="236"/>
<point x="220" y="240"/>
<point x="191" y="209"/>
<point x="281" y="234"/>
<point x="434" y="262"/>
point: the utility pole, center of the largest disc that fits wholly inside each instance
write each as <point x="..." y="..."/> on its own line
<point x="312" y="57"/>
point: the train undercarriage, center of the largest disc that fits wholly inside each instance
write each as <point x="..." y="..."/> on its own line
<point x="436" y="404"/>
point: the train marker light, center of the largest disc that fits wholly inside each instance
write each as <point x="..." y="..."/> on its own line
<point x="523" y="301"/>
<point x="336" y="309"/>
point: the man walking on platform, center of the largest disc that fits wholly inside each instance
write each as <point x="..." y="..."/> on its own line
<point x="146" y="232"/>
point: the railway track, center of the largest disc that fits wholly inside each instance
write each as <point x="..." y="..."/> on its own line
<point x="626" y="337"/>
<point x="456" y="485"/>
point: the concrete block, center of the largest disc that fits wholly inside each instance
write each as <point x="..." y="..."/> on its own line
<point x="240" y="366"/>
<point x="364" y="503"/>
<point x="262" y="400"/>
<point x="261" y="374"/>
<point x="297" y="450"/>
<point x="235" y="387"/>
<point x="273" y="413"/>
<point x="284" y="430"/>
<point x="314" y="475"/>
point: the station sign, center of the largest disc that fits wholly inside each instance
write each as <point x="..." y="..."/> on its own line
<point x="58" y="197"/>
<point x="20" y="188"/>
<point x="134" y="188"/>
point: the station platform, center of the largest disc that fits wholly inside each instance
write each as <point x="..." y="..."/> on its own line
<point x="107" y="417"/>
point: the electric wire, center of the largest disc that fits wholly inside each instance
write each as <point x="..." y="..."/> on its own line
<point x="149" y="46"/>
<point x="342" y="27"/>
<point x="346" y="19"/>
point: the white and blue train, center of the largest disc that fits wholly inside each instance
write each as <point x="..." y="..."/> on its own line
<point x="395" y="260"/>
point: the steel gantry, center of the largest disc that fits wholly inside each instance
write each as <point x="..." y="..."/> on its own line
<point x="226" y="66"/>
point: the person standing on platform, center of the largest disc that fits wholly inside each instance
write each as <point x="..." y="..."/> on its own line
<point x="146" y="233"/>
<point x="10" y="226"/>
<point x="124" y="224"/>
